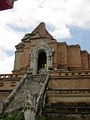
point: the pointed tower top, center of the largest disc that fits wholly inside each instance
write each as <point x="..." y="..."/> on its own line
<point x="40" y="29"/>
<point x="39" y="32"/>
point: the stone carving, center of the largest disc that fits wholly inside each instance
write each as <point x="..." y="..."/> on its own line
<point x="42" y="46"/>
<point x="29" y="111"/>
<point x="30" y="99"/>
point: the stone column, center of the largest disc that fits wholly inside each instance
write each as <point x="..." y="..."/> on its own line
<point x="29" y="113"/>
<point x="49" y="61"/>
<point x="17" y="62"/>
<point x="35" y="65"/>
<point x="18" y="56"/>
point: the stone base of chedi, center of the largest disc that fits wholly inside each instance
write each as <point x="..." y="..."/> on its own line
<point x="54" y="76"/>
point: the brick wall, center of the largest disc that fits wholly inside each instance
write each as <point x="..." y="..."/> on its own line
<point x="74" y="58"/>
<point x="84" y="59"/>
<point x="62" y="55"/>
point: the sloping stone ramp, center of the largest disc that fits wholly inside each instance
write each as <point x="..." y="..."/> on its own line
<point x="28" y="93"/>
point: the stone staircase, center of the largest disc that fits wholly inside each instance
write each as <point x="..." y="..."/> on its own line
<point x="30" y="91"/>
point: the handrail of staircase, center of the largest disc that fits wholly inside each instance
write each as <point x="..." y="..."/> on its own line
<point x="10" y="97"/>
<point x="42" y="92"/>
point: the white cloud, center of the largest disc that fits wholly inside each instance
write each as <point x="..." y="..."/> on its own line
<point x="79" y="12"/>
<point x="6" y="62"/>
<point x="28" y="14"/>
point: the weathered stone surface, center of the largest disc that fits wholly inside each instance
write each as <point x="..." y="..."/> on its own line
<point x="68" y="117"/>
<point x="31" y="85"/>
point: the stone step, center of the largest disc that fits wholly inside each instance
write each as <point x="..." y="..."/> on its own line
<point x="32" y="85"/>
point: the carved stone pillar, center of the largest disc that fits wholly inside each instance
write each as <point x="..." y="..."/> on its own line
<point x="29" y="113"/>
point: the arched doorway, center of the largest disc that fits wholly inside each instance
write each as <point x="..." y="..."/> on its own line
<point x="42" y="60"/>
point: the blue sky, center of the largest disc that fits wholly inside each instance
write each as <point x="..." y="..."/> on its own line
<point x="66" y="20"/>
<point x="81" y="37"/>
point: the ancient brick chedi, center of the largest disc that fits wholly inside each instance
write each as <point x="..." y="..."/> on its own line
<point x="68" y="92"/>
<point x="39" y="44"/>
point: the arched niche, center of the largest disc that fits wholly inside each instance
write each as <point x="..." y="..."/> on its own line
<point x="41" y="50"/>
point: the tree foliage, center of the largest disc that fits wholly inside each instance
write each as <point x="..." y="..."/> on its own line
<point x="13" y="116"/>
